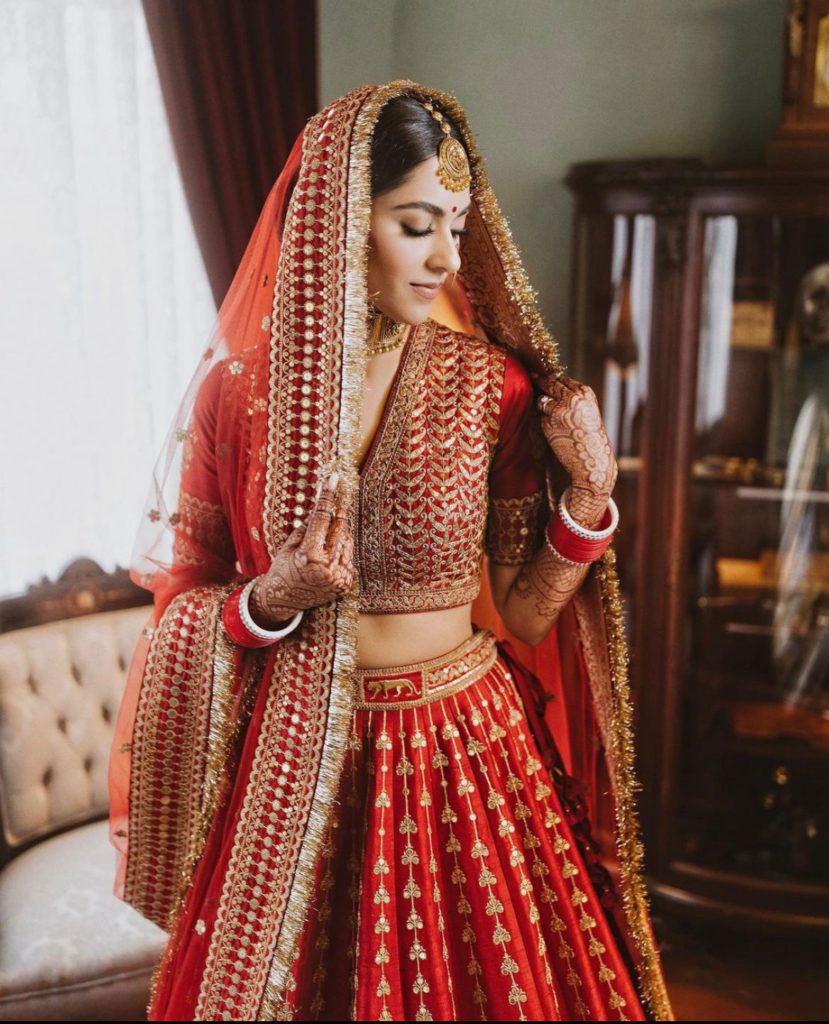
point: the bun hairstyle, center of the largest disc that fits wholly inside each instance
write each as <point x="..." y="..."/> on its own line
<point x="405" y="135"/>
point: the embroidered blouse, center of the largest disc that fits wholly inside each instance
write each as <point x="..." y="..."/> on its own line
<point x="454" y="470"/>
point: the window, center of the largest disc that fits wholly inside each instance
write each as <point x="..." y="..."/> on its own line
<point x="105" y="296"/>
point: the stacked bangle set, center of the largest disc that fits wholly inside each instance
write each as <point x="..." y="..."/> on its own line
<point x="574" y="544"/>
<point x="239" y="623"/>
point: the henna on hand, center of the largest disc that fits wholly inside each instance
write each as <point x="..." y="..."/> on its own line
<point x="585" y="507"/>
<point x="545" y="584"/>
<point x="572" y="425"/>
<point x="548" y="584"/>
<point x="265" y="607"/>
<point x="314" y="566"/>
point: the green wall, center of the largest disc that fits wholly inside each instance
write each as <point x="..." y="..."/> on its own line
<point x="549" y="82"/>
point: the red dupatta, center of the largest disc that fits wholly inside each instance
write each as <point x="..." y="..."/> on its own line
<point x="276" y="403"/>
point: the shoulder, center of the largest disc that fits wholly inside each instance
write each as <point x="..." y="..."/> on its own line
<point x="518" y="386"/>
<point x="225" y="384"/>
<point x="510" y="387"/>
<point x="511" y="381"/>
<point x="506" y="365"/>
<point x="450" y="338"/>
<point x="231" y="380"/>
<point x="242" y="364"/>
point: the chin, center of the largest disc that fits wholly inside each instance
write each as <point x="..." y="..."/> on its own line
<point x="418" y="317"/>
<point x="414" y="314"/>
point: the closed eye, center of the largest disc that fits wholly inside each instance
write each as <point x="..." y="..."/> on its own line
<point x="430" y="231"/>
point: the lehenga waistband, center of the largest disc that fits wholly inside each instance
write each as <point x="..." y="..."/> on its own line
<point x="407" y="686"/>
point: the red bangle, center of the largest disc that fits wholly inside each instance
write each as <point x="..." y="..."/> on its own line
<point x="573" y="547"/>
<point x="235" y="628"/>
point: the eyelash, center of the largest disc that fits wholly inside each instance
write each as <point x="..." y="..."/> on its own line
<point x="430" y="231"/>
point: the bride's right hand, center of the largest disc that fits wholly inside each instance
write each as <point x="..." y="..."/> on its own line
<point x="314" y="566"/>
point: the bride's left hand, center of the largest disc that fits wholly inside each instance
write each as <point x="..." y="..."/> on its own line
<point x="573" y="427"/>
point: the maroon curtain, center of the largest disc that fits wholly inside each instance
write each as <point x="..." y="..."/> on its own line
<point x="239" y="83"/>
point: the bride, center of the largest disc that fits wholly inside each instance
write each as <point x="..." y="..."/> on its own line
<point x="354" y="776"/>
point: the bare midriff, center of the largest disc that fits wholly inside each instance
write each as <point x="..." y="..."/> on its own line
<point x="401" y="639"/>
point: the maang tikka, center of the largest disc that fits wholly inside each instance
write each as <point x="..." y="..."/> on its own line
<point x="453" y="163"/>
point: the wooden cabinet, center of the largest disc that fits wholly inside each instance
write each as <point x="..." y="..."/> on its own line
<point x="701" y="319"/>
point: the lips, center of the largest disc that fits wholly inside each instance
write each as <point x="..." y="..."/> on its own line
<point x="427" y="291"/>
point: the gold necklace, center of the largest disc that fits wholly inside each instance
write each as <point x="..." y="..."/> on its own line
<point x="384" y="334"/>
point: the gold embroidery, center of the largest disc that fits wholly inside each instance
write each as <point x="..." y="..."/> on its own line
<point x="202" y="527"/>
<point x="277" y="780"/>
<point x="599" y="613"/>
<point x="569" y="871"/>
<point x="470" y="661"/>
<point x="487" y="880"/>
<point x="412" y="890"/>
<point x="172" y="769"/>
<point x="547" y="897"/>
<point x="359" y="815"/>
<point x="382" y="925"/>
<point x="311" y="681"/>
<point x="322" y="941"/>
<point x="419" y="743"/>
<point x="514" y="527"/>
<point x="505" y="831"/>
<point x="458" y="875"/>
<point x="423" y="494"/>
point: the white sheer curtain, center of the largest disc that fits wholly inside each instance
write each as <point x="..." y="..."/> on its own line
<point x="632" y="387"/>
<point x="715" y="321"/>
<point x="105" y="300"/>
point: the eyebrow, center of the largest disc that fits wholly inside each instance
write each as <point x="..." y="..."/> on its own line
<point x="429" y="207"/>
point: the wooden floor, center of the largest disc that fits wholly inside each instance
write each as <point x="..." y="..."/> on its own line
<point x="721" y="974"/>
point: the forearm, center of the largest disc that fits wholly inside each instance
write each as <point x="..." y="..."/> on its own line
<point x="544" y="585"/>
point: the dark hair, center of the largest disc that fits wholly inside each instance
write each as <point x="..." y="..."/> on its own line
<point x="405" y="135"/>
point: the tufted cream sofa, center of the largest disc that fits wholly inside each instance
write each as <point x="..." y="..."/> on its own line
<point x="69" y="949"/>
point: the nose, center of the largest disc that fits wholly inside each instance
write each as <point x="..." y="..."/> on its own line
<point x="444" y="256"/>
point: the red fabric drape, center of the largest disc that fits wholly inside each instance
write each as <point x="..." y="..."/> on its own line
<point x="239" y="83"/>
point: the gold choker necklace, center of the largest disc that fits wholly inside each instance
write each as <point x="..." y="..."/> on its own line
<point x="384" y="334"/>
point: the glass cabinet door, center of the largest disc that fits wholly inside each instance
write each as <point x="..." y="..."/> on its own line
<point x="754" y="741"/>
<point x="613" y="329"/>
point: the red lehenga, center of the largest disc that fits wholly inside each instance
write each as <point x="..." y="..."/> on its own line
<point x="327" y="842"/>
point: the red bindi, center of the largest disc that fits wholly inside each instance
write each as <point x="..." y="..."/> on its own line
<point x="454" y="208"/>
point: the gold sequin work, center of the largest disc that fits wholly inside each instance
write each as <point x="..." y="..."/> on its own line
<point x="421" y="519"/>
<point x="451" y="885"/>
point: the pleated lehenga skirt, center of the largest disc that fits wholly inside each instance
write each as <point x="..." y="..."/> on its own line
<point x="452" y="886"/>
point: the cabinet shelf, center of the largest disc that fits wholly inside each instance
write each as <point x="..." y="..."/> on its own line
<point x="745" y="686"/>
<point x="763" y="575"/>
<point x="765" y="493"/>
<point x="745" y="485"/>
